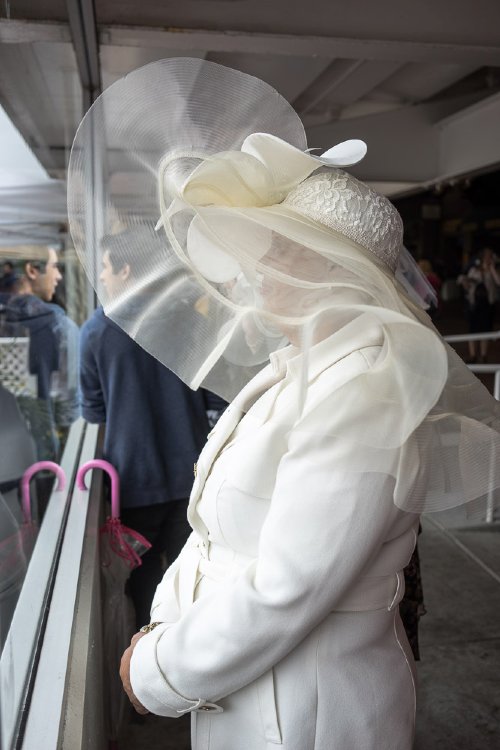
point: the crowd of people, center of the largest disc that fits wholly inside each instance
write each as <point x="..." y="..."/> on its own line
<point x="480" y="282"/>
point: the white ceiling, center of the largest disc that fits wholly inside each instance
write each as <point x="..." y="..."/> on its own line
<point x="418" y="81"/>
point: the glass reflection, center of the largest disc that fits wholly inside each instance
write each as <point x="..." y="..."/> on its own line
<point x="39" y="398"/>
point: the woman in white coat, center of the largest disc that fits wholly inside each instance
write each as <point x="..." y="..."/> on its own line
<point x="278" y="624"/>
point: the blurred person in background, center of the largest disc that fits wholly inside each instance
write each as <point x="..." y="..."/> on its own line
<point x="434" y="280"/>
<point x="481" y="283"/>
<point x="53" y="403"/>
<point x="155" y="426"/>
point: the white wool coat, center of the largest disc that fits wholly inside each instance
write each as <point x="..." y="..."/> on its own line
<point x="280" y="624"/>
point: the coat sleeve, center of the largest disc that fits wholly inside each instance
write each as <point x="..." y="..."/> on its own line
<point x="93" y="405"/>
<point x="323" y="527"/>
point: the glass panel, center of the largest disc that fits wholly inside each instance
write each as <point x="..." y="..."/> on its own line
<point x="43" y="296"/>
<point x="26" y="631"/>
<point x="39" y="400"/>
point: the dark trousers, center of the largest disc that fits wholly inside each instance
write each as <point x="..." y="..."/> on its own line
<point x="164" y="525"/>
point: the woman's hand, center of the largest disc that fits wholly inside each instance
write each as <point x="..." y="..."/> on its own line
<point x="125" y="674"/>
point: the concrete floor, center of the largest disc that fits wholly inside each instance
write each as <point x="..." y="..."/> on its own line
<point x="459" y="675"/>
<point x="459" y="693"/>
<point x="156" y="733"/>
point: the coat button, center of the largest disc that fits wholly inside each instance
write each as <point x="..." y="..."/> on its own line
<point x="212" y="708"/>
<point x="195" y="470"/>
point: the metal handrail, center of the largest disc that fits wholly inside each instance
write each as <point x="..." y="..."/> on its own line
<point x="482" y="369"/>
<point x="490" y="336"/>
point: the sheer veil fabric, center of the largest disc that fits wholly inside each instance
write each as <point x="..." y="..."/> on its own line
<point x="250" y="242"/>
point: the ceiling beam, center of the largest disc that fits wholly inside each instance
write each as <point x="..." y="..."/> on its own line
<point x="16" y="32"/>
<point x="81" y="31"/>
<point x="403" y="146"/>
<point x="327" y="81"/>
<point x="298" y="46"/>
<point x="13" y="31"/>
<point x="344" y="82"/>
<point x="469" y="139"/>
<point x="25" y="96"/>
<point x="82" y="23"/>
<point x="426" y="143"/>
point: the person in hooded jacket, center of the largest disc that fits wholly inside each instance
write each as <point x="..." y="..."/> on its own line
<point x="29" y="312"/>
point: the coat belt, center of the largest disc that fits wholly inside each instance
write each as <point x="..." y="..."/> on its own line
<point x="217" y="564"/>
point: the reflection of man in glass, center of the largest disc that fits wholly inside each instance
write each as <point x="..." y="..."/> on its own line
<point x="155" y="425"/>
<point x="53" y="404"/>
<point x="41" y="278"/>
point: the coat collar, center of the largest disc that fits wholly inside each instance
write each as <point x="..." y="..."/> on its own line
<point x="358" y="334"/>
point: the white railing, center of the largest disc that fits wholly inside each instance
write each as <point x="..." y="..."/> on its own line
<point x="489" y="369"/>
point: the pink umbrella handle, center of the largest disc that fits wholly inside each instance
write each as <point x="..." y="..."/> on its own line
<point x="28" y="475"/>
<point x="98" y="463"/>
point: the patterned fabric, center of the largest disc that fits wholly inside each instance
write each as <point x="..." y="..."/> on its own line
<point x="412" y="606"/>
<point x="343" y="203"/>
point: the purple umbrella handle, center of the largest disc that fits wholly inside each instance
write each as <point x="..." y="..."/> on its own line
<point x="28" y="475"/>
<point x="98" y="463"/>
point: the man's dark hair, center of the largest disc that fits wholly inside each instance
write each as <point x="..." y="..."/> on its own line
<point x="39" y="262"/>
<point x="127" y="248"/>
<point x="9" y="263"/>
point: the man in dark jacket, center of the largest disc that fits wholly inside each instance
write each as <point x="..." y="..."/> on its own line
<point x="155" y="429"/>
<point x="28" y="307"/>
<point x="52" y="335"/>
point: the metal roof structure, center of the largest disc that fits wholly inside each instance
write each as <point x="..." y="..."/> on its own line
<point x="419" y="82"/>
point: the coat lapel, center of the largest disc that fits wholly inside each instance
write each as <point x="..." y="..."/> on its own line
<point x="221" y="433"/>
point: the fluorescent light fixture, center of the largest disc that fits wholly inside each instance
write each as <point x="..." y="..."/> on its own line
<point x="18" y="164"/>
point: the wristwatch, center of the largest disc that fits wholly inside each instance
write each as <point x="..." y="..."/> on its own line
<point x="148" y="628"/>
